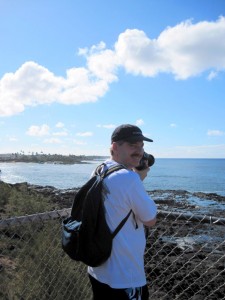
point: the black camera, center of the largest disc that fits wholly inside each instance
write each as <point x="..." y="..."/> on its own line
<point x="149" y="158"/>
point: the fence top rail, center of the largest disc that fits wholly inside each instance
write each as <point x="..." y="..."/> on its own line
<point x="50" y="215"/>
<point x="192" y="217"/>
<point x="35" y="217"/>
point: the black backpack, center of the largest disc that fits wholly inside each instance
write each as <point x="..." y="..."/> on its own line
<point x="86" y="236"/>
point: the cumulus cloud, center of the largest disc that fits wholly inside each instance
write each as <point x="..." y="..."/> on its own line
<point x="101" y="62"/>
<point x="38" y="130"/>
<point x="185" y="50"/>
<point x="30" y="85"/>
<point x="33" y="85"/>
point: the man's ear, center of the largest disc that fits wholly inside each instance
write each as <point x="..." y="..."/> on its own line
<point x="114" y="146"/>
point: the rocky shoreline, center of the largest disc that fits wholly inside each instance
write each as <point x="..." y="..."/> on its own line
<point x="172" y="200"/>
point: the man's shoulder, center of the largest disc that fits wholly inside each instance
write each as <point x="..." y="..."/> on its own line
<point x="124" y="172"/>
<point x="113" y="164"/>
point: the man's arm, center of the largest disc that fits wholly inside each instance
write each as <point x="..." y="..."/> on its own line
<point x="150" y="223"/>
<point x="143" y="175"/>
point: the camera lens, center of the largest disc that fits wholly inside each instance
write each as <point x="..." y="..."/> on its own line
<point x="149" y="158"/>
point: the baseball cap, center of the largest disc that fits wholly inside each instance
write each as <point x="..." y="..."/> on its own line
<point x="128" y="133"/>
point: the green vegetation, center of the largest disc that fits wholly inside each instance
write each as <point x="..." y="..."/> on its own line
<point x="19" y="200"/>
<point x="47" y="158"/>
<point x="32" y="262"/>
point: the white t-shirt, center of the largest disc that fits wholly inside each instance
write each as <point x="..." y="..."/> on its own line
<point x="125" y="267"/>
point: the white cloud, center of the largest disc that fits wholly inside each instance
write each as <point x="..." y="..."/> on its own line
<point x="60" y="133"/>
<point x="30" y="85"/>
<point x="103" y="65"/>
<point x="139" y="122"/>
<point x="59" y="125"/>
<point x="33" y="85"/>
<point x="173" y="125"/>
<point x="215" y="133"/>
<point x="88" y="133"/>
<point x="212" y="75"/>
<point x="108" y="126"/>
<point x="185" y="50"/>
<point x="38" y="130"/>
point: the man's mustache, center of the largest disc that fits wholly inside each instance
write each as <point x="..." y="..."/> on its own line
<point x="137" y="155"/>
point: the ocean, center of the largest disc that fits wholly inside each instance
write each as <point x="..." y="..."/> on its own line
<point x="192" y="175"/>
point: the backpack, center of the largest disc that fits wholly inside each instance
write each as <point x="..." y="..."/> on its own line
<point x="86" y="236"/>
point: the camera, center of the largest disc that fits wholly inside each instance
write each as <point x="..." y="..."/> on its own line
<point x="146" y="157"/>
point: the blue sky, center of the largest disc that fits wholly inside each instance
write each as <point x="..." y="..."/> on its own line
<point x="73" y="70"/>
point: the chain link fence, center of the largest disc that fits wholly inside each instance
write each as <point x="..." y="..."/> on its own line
<point x="185" y="259"/>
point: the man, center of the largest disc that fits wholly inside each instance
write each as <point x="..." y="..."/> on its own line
<point x="122" y="276"/>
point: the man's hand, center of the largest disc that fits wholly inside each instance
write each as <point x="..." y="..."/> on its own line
<point x="142" y="173"/>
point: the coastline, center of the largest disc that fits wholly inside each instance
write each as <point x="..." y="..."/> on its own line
<point x="205" y="176"/>
<point x="210" y="204"/>
<point x="48" y="158"/>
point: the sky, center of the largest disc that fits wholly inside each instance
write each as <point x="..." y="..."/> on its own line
<point x="73" y="70"/>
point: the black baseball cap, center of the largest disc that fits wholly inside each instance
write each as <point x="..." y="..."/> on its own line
<point x="128" y="133"/>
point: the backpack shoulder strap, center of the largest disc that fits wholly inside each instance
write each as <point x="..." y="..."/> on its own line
<point x="112" y="169"/>
<point x="99" y="169"/>
<point x="121" y="224"/>
<point x="105" y="174"/>
<point x="80" y="195"/>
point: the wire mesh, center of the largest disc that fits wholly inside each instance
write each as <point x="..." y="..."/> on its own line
<point x="184" y="259"/>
